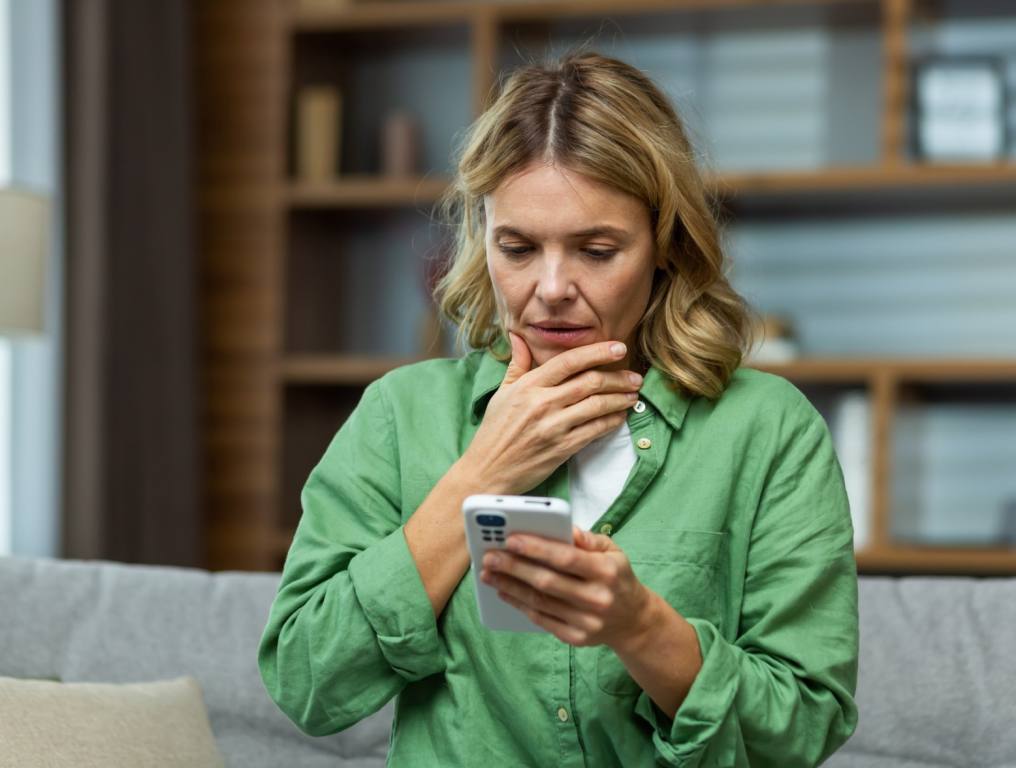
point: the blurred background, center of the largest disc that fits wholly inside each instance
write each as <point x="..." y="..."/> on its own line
<point x="217" y="227"/>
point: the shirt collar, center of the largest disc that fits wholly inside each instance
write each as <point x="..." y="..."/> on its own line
<point x="656" y="390"/>
<point x="667" y="398"/>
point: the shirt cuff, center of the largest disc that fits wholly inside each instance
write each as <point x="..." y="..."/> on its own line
<point x="390" y="591"/>
<point x="702" y="720"/>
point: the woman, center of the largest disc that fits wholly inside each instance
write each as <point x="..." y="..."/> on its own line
<point x="707" y="615"/>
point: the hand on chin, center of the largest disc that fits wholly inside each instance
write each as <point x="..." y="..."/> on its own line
<point x="541" y="354"/>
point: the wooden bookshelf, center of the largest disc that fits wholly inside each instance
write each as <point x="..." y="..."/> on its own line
<point x="269" y="404"/>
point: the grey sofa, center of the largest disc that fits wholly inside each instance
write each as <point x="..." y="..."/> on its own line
<point x="937" y="684"/>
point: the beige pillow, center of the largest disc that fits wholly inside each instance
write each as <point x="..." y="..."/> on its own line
<point x="105" y="725"/>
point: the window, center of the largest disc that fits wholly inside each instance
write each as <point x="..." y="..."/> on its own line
<point x="5" y="368"/>
<point x="30" y="367"/>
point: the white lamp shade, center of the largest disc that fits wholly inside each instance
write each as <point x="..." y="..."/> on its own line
<point x="24" y="245"/>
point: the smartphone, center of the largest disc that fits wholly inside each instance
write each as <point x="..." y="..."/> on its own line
<point x="489" y="520"/>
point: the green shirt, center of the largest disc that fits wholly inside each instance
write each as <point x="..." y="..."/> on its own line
<point x="736" y="514"/>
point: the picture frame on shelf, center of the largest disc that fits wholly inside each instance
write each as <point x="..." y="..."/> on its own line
<point x="959" y="109"/>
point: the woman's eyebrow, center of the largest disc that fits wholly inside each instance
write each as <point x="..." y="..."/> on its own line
<point x="603" y="229"/>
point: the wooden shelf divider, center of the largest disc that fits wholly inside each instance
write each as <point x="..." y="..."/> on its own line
<point x="385" y="14"/>
<point x="337" y="369"/>
<point x="930" y="370"/>
<point x="895" y="22"/>
<point x="883" y="407"/>
<point x="344" y="369"/>
<point x="365" y="191"/>
<point x="362" y="191"/>
<point x="953" y="560"/>
<point x="865" y="178"/>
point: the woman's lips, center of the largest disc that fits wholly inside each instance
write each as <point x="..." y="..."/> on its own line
<point x="566" y="337"/>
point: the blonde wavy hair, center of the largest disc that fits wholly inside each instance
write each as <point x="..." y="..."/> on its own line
<point x="602" y="117"/>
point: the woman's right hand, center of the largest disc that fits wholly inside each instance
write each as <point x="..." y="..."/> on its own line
<point x="538" y="419"/>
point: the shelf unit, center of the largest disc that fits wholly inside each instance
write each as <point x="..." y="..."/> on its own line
<point x="277" y="386"/>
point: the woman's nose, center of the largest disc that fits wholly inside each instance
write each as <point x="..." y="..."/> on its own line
<point x="555" y="283"/>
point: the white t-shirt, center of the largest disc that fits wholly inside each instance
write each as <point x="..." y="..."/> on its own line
<point x="597" y="473"/>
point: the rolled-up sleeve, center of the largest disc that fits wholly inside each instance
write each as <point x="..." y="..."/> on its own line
<point x="782" y="694"/>
<point x="351" y="623"/>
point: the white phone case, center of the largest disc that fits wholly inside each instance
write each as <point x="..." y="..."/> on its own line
<point x="489" y="520"/>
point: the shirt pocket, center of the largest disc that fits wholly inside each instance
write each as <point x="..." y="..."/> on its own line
<point x="681" y="566"/>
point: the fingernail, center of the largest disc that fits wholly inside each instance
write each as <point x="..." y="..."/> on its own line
<point x="634" y="378"/>
<point x="618" y="348"/>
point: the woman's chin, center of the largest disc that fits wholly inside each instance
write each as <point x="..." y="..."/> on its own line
<point x="541" y="356"/>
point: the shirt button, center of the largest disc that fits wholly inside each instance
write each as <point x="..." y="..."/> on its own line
<point x="639" y="406"/>
<point x="562" y="714"/>
<point x="644" y="442"/>
<point x="606" y="528"/>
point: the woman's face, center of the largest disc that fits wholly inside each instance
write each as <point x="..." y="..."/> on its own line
<point x="564" y="249"/>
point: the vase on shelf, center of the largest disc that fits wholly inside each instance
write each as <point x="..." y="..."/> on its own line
<point x="400" y="145"/>
<point x="775" y="341"/>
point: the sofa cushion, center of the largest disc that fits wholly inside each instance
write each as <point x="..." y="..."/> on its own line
<point x="104" y="725"/>
<point x="936" y="673"/>
<point x="100" y="621"/>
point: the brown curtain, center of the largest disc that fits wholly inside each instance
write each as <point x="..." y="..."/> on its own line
<point x="132" y="464"/>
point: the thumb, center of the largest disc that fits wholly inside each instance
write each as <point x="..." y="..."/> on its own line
<point x="521" y="360"/>
<point x="593" y="542"/>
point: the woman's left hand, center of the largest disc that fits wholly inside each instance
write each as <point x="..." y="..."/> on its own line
<point x="584" y="595"/>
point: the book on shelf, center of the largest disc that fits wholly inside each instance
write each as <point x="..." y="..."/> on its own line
<point x="851" y="432"/>
<point x="318" y="115"/>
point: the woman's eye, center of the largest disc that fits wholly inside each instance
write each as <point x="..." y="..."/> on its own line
<point x="520" y="250"/>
